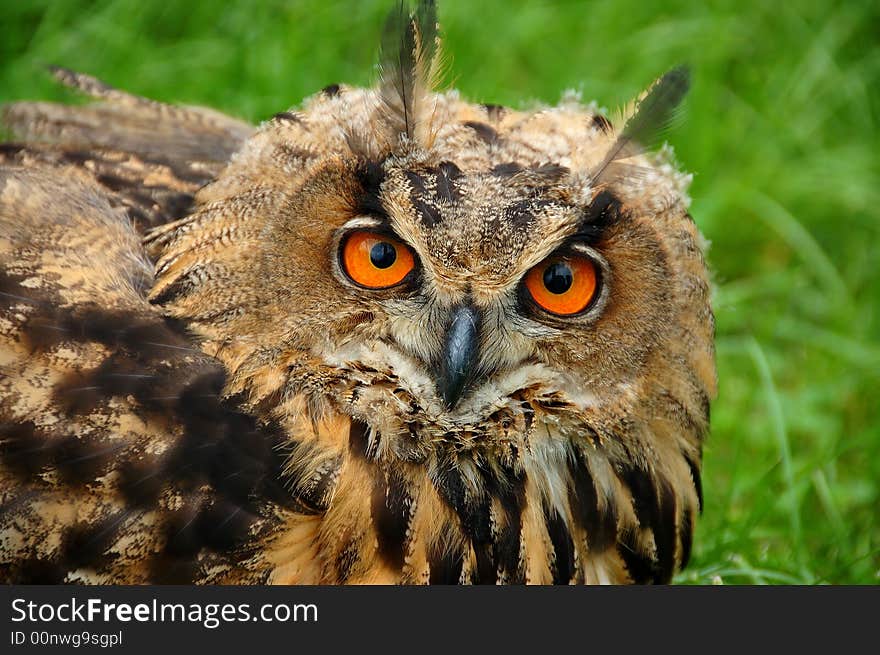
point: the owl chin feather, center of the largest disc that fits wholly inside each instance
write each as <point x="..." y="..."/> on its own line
<point x="202" y="383"/>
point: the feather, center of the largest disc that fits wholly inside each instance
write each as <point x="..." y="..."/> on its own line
<point x="655" y="113"/>
<point x="125" y="122"/>
<point x="148" y="156"/>
<point x="408" y="65"/>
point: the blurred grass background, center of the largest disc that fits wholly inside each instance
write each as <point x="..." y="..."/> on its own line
<point x="781" y="133"/>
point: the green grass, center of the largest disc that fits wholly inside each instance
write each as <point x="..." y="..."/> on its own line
<point x="781" y="132"/>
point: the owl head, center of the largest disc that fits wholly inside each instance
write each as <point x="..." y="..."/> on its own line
<point x="486" y="332"/>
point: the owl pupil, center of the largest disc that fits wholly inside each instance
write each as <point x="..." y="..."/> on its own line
<point x="382" y="254"/>
<point x="558" y="278"/>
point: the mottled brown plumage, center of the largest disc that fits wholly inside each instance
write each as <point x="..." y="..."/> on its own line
<point x="196" y="390"/>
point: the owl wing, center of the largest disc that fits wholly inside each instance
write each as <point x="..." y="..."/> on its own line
<point x="147" y="156"/>
<point x="120" y="460"/>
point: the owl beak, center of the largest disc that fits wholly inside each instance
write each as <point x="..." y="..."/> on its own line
<point x="459" y="357"/>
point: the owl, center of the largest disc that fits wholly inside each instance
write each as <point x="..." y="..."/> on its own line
<point x="388" y="337"/>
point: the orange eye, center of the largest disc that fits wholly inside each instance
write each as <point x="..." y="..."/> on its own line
<point x="376" y="261"/>
<point x="562" y="285"/>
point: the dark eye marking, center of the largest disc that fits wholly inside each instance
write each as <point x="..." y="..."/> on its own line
<point x="418" y="195"/>
<point x="430" y="215"/>
<point x="605" y="210"/>
<point x="447" y="189"/>
<point x="432" y="186"/>
<point x="521" y="214"/>
<point x="417" y="182"/>
<point x="371" y="175"/>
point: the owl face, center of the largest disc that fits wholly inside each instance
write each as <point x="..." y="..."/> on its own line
<point x="499" y="321"/>
<point x="466" y="281"/>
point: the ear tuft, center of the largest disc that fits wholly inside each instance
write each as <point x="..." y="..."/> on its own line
<point x="655" y="113"/>
<point x="409" y="68"/>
